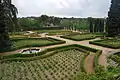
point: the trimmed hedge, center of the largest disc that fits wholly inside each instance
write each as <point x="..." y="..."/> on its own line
<point x="77" y="39"/>
<point x="97" y="42"/>
<point x="55" y="41"/>
<point x="43" y="53"/>
<point x="87" y="38"/>
<point x="115" y="58"/>
<point x="96" y="57"/>
<point x="83" y="62"/>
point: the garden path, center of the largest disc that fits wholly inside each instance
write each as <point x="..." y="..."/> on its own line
<point x="89" y="64"/>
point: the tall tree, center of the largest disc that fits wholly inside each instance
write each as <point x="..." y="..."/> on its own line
<point x="113" y="20"/>
<point x="7" y="15"/>
<point x="90" y="20"/>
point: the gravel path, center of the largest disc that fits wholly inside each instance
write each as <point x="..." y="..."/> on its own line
<point x="89" y="64"/>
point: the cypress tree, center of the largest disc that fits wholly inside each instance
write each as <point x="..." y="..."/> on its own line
<point x="113" y="20"/>
<point x="90" y="20"/>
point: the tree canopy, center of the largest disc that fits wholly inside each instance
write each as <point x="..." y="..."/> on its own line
<point x="8" y="16"/>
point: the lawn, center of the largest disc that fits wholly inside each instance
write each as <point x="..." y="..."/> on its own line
<point x="33" y="42"/>
<point x="79" y="37"/>
<point x="61" y="66"/>
<point x="55" y="32"/>
<point x="110" y="43"/>
<point x="17" y="36"/>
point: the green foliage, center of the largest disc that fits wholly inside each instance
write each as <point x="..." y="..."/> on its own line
<point x="64" y="63"/>
<point x="53" y="50"/>
<point x="96" y="24"/>
<point x="113" y="25"/>
<point x="97" y="76"/>
<point x="116" y="58"/>
<point x="8" y="17"/>
<point x="29" y="24"/>
<point x="80" y="37"/>
<point x="97" y="67"/>
<point x="83" y="61"/>
<point x="110" y="43"/>
<point x="75" y="24"/>
<point x="114" y="70"/>
<point x="55" y="32"/>
<point x="33" y="42"/>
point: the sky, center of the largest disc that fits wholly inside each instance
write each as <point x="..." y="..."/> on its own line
<point x="63" y="8"/>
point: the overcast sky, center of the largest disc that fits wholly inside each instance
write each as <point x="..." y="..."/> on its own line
<point x="63" y="8"/>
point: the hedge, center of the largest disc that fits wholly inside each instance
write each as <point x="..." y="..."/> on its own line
<point x="77" y="39"/>
<point x="104" y="45"/>
<point x="83" y="63"/>
<point x="41" y="54"/>
<point x="88" y="38"/>
<point x="96" y="58"/>
<point x="115" y="58"/>
<point x="36" y="45"/>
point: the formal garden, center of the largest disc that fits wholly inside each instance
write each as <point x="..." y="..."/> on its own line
<point x="55" y="48"/>
<point x="32" y="42"/>
<point x="110" y="43"/>
<point x="84" y="36"/>
<point x="55" y="63"/>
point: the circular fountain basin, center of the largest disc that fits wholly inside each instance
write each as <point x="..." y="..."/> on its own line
<point x="30" y="51"/>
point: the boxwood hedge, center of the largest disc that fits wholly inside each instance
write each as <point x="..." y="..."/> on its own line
<point x="52" y="51"/>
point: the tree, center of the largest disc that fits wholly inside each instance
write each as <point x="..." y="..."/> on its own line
<point x="113" y="20"/>
<point x="90" y="20"/>
<point x="7" y="15"/>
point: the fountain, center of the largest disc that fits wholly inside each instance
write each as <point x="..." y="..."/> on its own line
<point x="30" y="51"/>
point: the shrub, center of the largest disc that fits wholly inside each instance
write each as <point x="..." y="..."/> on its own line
<point x="110" y="43"/>
<point x="80" y="37"/>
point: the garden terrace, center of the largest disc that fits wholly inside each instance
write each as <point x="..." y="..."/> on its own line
<point x="33" y="42"/>
<point x="85" y="36"/>
<point x="110" y="43"/>
<point x="55" y="63"/>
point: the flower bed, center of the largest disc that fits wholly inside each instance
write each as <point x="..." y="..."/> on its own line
<point x="55" y="63"/>
<point x="63" y="65"/>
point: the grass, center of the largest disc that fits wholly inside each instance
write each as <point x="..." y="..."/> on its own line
<point x="80" y="37"/>
<point x="17" y="37"/>
<point x="33" y="42"/>
<point x="55" y="32"/>
<point x="110" y="43"/>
